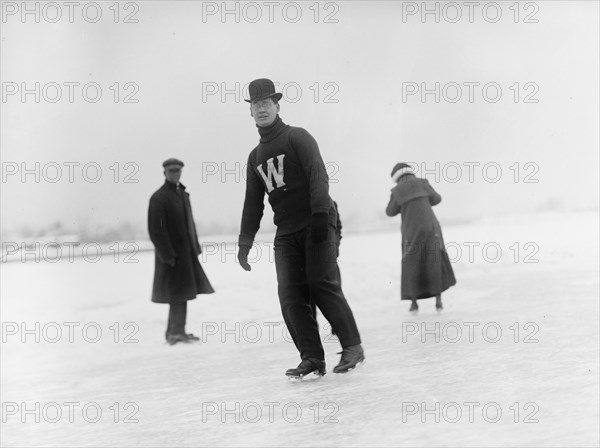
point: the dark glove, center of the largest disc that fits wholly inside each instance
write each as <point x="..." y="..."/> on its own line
<point x="319" y="226"/>
<point x="243" y="257"/>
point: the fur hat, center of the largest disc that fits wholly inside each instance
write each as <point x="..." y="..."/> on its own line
<point x="400" y="169"/>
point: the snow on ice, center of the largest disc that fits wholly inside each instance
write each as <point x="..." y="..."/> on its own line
<point x="511" y="361"/>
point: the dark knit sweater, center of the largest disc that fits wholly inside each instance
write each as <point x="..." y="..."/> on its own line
<point x="287" y="165"/>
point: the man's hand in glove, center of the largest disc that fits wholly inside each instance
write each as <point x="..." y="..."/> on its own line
<point x="243" y="257"/>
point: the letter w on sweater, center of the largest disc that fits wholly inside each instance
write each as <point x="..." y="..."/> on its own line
<point x="272" y="173"/>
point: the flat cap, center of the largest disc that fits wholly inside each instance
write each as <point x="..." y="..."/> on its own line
<point x="172" y="161"/>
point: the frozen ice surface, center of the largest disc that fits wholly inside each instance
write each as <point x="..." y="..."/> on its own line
<point x="230" y="389"/>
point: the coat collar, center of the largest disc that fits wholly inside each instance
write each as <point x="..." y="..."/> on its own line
<point x="173" y="186"/>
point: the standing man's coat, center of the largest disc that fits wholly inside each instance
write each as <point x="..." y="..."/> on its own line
<point x="173" y="232"/>
<point x="426" y="268"/>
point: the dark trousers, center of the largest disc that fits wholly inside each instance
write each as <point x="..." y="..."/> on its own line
<point x="177" y="317"/>
<point x="309" y="272"/>
<point x="313" y="306"/>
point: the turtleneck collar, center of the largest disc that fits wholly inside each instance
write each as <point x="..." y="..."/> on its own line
<point x="268" y="133"/>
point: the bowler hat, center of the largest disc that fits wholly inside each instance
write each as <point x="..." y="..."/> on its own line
<point x="261" y="89"/>
<point x="172" y="161"/>
<point x="399" y="166"/>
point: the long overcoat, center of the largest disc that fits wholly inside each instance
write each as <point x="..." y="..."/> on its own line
<point x="173" y="231"/>
<point x="426" y="268"/>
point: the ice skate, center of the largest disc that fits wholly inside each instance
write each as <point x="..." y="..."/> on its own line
<point x="307" y="366"/>
<point x="351" y="357"/>
<point x="438" y="304"/>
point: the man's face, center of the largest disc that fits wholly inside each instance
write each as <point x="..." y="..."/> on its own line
<point x="264" y="112"/>
<point x="173" y="173"/>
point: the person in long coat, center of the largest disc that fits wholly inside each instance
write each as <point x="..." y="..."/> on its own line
<point x="426" y="268"/>
<point x="178" y="276"/>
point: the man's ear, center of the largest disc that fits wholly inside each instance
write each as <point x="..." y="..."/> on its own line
<point x="251" y="114"/>
<point x="278" y="108"/>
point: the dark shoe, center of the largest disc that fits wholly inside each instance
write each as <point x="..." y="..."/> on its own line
<point x="173" y="339"/>
<point x="351" y="357"/>
<point x="191" y="338"/>
<point x="414" y="307"/>
<point x="307" y="366"/>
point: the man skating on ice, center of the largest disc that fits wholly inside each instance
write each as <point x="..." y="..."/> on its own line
<point x="287" y="165"/>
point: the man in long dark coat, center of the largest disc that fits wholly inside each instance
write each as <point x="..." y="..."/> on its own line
<point x="178" y="276"/>
<point x="426" y="268"/>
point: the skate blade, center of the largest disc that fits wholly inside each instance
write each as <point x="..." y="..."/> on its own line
<point x="180" y="342"/>
<point x="358" y="364"/>
<point x="313" y="376"/>
<point x="177" y="342"/>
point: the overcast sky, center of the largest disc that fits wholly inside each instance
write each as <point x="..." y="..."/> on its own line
<point x="350" y="79"/>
